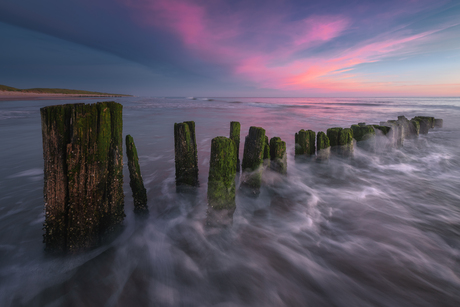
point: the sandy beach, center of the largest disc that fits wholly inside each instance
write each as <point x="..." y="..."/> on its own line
<point x="10" y="95"/>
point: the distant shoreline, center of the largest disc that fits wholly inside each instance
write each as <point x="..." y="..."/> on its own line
<point x="10" y="95"/>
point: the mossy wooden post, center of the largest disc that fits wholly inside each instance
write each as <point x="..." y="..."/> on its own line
<point x="408" y="127"/>
<point x="267" y="152"/>
<point x="323" y="146"/>
<point x="426" y="123"/>
<point x="346" y="142"/>
<point x="305" y="143"/>
<point x="415" y="127"/>
<point x="383" y="129"/>
<point x="438" y="122"/>
<point x="83" y="172"/>
<point x="254" y="145"/>
<point x="278" y="155"/>
<point x="221" y="182"/>
<point x="362" y="132"/>
<point x="333" y="135"/>
<point x="135" y="178"/>
<point x="186" y="156"/>
<point x="235" y="128"/>
<point x="364" y="136"/>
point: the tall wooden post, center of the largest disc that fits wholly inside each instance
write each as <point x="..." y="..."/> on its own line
<point x="221" y="182"/>
<point x="254" y="146"/>
<point x="235" y="128"/>
<point x="135" y="178"/>
<point x="323" y="146"/>
<point x="186" y="156"/>
<point x="83" y="172"/>
<point x="305" y="143"/>
<point x="278" y="155"/>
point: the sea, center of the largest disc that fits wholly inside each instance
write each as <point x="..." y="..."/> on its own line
<point x="379" y="229"/>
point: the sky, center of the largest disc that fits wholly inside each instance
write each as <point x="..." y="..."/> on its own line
<point x="237" y="48"/>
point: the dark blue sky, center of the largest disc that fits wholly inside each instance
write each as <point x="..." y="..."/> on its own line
<point x="233" y="48"/>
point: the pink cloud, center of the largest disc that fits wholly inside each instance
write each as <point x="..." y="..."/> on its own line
<point x="264" y="48"/>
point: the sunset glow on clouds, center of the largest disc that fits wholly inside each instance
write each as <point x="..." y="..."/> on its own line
<point x="294" y="48"/>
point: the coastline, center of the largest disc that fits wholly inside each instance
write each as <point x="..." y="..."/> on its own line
<point x="10" y="95"/>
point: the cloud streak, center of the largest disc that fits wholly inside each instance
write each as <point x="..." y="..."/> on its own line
<point x="267" y="50"/>
<point x="295" y="47"/>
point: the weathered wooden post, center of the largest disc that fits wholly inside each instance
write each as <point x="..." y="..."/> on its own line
<point x="267" y="152"/>
<point x="426" y="123"/>
<point x="135" y="178"/>
<point x="186" y="156"/>
<point x="408" y="127"/>
<point x="254" y="145"/>
<point x="305" y="144"/>
<point x="323" y="146"/>
<point x="341" y="140"/>
<point x="333" y="136"/>
<point x="415" y="128"/>
<point x="364" y="135"/>
<point x="278" y="155"/>
<point x="83" y="172"/>
<point x="235" y="128"/>
<point x="383" y="129"/>
<point x="221" y="182"/>
<point x="346" y="142"/>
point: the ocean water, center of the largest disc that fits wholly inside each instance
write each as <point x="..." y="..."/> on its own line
<point x="381" y="229"/>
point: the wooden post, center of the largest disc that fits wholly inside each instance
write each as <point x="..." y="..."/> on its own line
<point x="254" y="145"/>
<point x="266" y="153"/>
<point x="346" y="142"/>
<point x="323" y="146"/>
<point x="362" y="132"/>
<point x="83" y="172"/>
<point x="333" y="135"/>
<point x="305" y="143"/>
<point x="235" y="128"/>
<point x="221" y="182"/>
<point x="186" y="156"/>
<point x="135" y="178"/>
<point x="278" y="155"/>
<point x="383" y="129"/>
<point x="426" y="123"/>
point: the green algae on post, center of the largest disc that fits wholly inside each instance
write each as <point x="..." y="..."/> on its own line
<point x="135" y="178"/>
<point x="346" y="142"/>
<point x="426" y="123"/>
<point x="266" y="152"/>
<point x="254" y="146"/>
<point x="278" y="155"/>
<point x="364" y="136"/>
<point x="83" y="172"/>
<point x="235" y="128"/>
<point x="333" y="135"/>
<point x="415" y="127"/>
<point x="323" y="146"/>
<point x="362" y="132"/>
<point x="186" y="157"/>
<point x="305" y="143"/>
<point x="221" y="181"/>
<point x="383" y="129"/>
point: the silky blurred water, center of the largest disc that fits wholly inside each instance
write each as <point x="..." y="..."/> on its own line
<point x="381" y="229"/>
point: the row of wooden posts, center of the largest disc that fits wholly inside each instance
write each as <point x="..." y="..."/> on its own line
<point x="83" y="166"/>
<point x="260" y="153"/>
